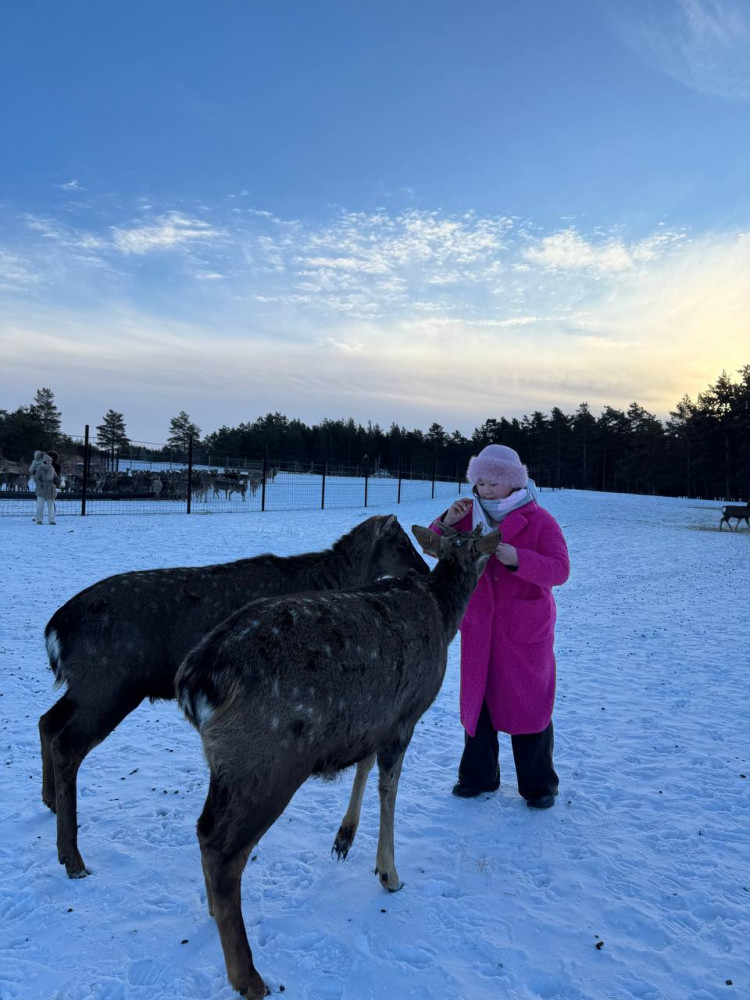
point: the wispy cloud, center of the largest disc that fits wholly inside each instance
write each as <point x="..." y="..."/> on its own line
<point x="83" y="244"/>
<point x="453" y="316"/>
<point x="355" y="266"/>
<point x="703" y="44"/>
<point x="16" y="271"/>
<point x="568" y="250"/>
<point x="168" y="232"/>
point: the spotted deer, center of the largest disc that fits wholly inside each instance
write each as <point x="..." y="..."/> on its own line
<point x="309" y="684"/>
<point x="122" y="640"/>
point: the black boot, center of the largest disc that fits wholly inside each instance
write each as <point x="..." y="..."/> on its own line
<point x="470" y="792"/>
<point x="541" y="801"/>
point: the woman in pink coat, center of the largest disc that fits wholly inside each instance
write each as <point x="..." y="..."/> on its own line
<point x="507" y="633"/>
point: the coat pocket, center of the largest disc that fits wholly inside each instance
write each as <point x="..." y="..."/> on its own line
<point x="532" y="621"/>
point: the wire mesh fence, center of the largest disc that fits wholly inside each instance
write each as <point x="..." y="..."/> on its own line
<point x="153" y="479"/>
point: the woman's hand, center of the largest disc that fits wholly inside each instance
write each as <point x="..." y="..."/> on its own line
<point x="507" y="554"/>
<point x="456" y="512"/>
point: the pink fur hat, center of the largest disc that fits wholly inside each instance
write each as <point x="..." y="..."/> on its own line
<point x="500" y="465"/>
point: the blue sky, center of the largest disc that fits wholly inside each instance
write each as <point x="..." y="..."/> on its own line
<point x="412" y="212"/>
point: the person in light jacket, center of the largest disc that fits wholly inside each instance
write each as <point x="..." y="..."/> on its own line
<point x="507" y="632"/>
<point x="46" y="479"/>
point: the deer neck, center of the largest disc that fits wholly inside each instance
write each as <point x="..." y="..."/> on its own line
<point x="347" y="562"/>
<point x="338" y="569"/>
<point x="452" y="585"/>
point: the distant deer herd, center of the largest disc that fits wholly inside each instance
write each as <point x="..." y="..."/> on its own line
<point x="168" y="484"/>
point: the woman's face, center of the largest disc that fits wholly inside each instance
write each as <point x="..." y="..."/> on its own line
<point x="488" y="490"/>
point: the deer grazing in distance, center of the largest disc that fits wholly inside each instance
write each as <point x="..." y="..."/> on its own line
<point x="310" y="684"/>
<point x="122" y="640"/>
<point x="256" y="479"/>
<point x="228" y="487"/>
<point x="741" y="513"/>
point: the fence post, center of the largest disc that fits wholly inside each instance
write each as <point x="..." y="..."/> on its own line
<point x="398" y="495"/>
<point x="84" y="488"/>
<point x="263" y="484"/>
<point x="434" y="473"/>
<point x="367" y="476"/>
<point x="323" y="487"/>
<point x="190" y="473"/>
<point x="458" y="480"/>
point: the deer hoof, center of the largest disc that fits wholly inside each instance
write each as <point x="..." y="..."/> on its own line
<point x="79" y="873"/>
<point x="255" y="992"/>
<point x="342" y="843"/>
<point x="75" y="868"/>
<point x="390" y="881"/>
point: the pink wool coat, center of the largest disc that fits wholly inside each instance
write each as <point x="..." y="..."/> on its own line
<point x="508" y="630"/>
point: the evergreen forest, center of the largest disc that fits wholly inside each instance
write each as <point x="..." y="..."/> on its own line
<point x="701" y="450"/>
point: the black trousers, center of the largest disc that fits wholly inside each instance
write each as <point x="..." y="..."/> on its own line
<point x="532" y="755"/>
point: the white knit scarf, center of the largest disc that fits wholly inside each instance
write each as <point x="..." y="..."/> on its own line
<point x="490" y="513"/>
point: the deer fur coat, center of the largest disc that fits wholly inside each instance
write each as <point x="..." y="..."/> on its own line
<point x="508" y="630"/>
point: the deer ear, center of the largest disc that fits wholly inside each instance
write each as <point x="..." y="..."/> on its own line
<point x="488" y="543"/>
<point x="429" y="541"/>
<point x="388" y="524"/>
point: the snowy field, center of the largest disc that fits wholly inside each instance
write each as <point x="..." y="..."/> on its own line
<point x="636" y="885"/>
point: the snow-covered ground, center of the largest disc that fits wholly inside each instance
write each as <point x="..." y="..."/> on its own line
<point x="636" y="885"/>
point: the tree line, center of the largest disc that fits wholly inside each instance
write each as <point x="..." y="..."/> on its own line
<point x="701" y="450"/>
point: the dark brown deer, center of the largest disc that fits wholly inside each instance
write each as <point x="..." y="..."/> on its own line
<point x="742" y="513"/>
<point x="310" y="684"/>
<point x="122" y="640"/>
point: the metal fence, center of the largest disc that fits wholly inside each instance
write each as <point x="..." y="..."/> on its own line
<point x="152" y="480"/>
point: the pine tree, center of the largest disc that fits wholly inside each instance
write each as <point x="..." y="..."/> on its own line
<point x="584" y="431"/>
<point x="110" y="434"/>
<point x="436" y="435"/>
<point x="45" y="411"/>
<point x="181" y="429"/>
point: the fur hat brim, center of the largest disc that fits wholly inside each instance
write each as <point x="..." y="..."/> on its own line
<point x="511" y="475"/>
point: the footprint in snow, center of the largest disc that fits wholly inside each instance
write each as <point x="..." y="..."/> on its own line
<point x="145" y="972"/>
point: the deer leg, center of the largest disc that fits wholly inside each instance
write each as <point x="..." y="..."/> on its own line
<point x="228" y="829"/>
<point x="86" y="728"/>
<point x="206" y="825"/>
<point x="350" y="822"/>
<point x="389" y="767"/>
<point x="224" y="874"/>
<point x="207" y="881"/>
<point x="50" y="725"/>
